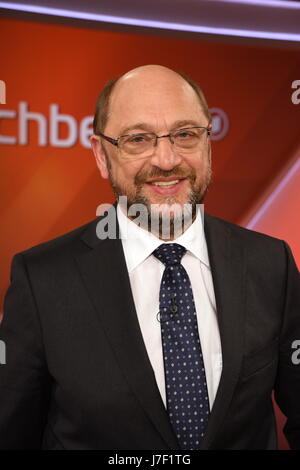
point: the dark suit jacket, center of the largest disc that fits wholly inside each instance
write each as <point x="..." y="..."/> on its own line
<point x="78" y="375"/>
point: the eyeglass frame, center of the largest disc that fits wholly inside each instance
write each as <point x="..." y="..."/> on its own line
<point x="115" y="142"/>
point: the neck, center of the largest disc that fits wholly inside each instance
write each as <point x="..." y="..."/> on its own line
<point x="164" y="222"/>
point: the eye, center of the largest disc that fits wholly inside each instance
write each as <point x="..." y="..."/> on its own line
<point x="138" y="139"/>
<point x="184" y="134"/>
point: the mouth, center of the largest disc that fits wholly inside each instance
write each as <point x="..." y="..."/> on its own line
<point x="166" y="186"/>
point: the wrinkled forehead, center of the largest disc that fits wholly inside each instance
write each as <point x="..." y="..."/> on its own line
<point x="151" y="98"/>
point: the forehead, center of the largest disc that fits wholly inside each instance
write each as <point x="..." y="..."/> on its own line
<point x="157" y="100"/>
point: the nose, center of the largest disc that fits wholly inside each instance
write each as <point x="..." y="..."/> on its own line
<point x="165" y="155"/>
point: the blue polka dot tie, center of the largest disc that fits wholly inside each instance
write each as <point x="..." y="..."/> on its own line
<point x="186" y="390"/>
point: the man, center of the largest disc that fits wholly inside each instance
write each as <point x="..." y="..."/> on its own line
<point x="148" y="339"/>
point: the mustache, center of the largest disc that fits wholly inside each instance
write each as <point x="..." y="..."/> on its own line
<point x="142" y="177"/>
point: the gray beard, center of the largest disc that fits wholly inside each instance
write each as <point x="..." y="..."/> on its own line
<point x="154" y="219"/>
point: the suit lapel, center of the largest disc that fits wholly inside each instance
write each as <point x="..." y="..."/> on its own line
<point x="227" y="266"/>
<point x="106" y="278"/>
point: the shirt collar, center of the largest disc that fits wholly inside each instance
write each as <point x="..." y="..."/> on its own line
<point x="138" y="243"/>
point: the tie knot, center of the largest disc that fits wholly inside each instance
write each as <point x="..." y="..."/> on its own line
<point x="170" y="253"/>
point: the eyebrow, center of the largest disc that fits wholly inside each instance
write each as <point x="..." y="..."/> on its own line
<point x="146" y="127"/>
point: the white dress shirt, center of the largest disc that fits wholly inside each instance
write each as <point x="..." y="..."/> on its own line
<point x="145" y="273"/>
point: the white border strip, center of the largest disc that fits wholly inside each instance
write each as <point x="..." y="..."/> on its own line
<point x="151" y="23"/>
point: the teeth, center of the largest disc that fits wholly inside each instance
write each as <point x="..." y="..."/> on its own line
<point x="165" y="184"/>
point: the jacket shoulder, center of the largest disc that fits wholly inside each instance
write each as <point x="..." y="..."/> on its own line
<point x="262" y="252"/>
<point x="63" y="245"/>
<point x="244" y="234"/>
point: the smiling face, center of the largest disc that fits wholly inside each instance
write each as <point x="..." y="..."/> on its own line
<point x="155" y="99"/>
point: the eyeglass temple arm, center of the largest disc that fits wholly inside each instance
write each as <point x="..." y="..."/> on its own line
<point x="109" y="139"/>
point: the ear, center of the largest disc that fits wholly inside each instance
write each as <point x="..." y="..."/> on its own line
<point x="209" y="145"/>
<point x="99" y="156"/>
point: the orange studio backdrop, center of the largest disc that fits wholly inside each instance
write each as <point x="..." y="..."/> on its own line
<point x="53" y="75"/>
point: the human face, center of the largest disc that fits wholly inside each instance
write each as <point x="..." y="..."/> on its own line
<point x="155" y="101"/>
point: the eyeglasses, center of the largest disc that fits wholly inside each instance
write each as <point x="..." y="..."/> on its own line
<point x="143" y="143"/>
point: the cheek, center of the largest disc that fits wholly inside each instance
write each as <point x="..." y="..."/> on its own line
<point x="196" y="165"/>
<point x="200" y="165"/>
<point x="125" y="172"/>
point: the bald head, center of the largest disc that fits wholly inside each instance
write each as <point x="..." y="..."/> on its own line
<point x="150" y="68"/>
<point x="148" y="86"/>
<point x="151" y="73"/>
